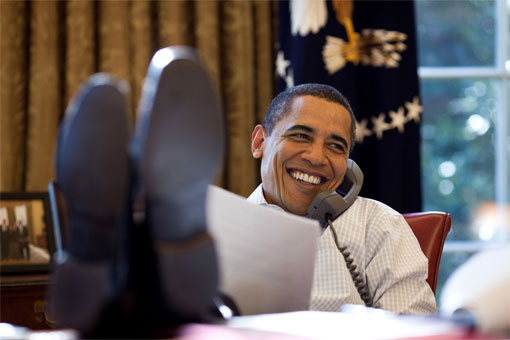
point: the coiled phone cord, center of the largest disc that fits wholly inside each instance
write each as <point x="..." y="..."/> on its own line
<point x="356" y="276"/>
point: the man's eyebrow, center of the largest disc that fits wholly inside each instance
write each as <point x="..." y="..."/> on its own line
<point x="299" y="127"/>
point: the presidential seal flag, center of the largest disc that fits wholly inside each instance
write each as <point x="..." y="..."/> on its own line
<point x="367" y="50"/>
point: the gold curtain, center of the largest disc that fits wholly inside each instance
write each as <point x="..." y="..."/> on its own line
<point x="48" y="48"/>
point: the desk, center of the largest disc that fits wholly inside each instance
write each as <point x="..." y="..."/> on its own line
<point x="23" y="300"/>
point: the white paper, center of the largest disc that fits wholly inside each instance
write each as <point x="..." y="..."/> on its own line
<point x="266" y="256"/>
<point x="363" y="324"/>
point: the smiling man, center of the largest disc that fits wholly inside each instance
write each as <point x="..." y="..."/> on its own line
<point x="304" y="145"/>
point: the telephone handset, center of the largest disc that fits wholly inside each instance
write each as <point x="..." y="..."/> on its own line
<point x="330" y="204"/>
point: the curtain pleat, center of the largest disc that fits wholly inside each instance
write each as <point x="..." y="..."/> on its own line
<point x="238" y="91"/>
<point x="113" y="41"/>
<point x="13" y="85"/>
<point x="49" y="48"/>
<point x="142" y="47"/>
<point x="44" y="95"/>
<point x="263" y="58"/>
<point x="79" y="46"/>
<point x="174" y="20"/>
<point x="207" y="36"/>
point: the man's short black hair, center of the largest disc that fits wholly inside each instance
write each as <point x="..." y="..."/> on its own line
<point x="280" y="105"/>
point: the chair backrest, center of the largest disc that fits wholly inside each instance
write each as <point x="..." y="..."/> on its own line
<point x="431" y="229"/>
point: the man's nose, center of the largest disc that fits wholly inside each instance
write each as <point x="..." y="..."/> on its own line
<point x="315" y="154"/>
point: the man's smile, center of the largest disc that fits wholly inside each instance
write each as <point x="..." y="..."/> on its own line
<point x="305" y="177"/>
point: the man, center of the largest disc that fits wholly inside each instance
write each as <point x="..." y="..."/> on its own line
<point x="24" y="243"/>
<point x="4" y="241"/>
<point x="304" y="145"/>
<point x="14" y="246"/>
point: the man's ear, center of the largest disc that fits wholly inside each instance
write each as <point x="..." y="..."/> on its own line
<point x="258" y="138"/>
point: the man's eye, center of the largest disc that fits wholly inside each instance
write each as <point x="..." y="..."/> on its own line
<point x="337" y="147"/>
<point x="300" y="136"/>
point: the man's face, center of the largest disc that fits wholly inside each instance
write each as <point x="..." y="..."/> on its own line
<point x="305" y="154"/>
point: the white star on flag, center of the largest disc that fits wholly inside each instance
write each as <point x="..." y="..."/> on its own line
<point x="281" y="64"/>
<point x="362" y="131"/>
<point x="380" y="125"/>
<point x="414" y="109"/>
<point x="289" y="79"/>
<point x="398" y="119"/>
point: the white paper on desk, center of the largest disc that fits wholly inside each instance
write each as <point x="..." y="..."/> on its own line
<point x="266" y="256"/>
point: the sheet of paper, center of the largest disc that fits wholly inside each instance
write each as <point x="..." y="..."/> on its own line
<point x="361" y="324"/>
<point x="266" y="256"/>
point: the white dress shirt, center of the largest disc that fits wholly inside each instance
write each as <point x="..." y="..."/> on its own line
<point x="386" y="252"/>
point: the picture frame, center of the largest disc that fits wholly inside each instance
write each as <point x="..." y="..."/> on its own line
<point x="27" y="233"/>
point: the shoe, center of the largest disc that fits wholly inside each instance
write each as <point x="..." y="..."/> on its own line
<point x="93" y="178"/>
<point x="177" y="149"/>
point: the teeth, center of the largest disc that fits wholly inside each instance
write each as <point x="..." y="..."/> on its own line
<point x="305" y="177"/>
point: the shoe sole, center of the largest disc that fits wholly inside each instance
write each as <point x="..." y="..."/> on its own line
<point x="93" y="175"/>
<point x="179" y="146"/>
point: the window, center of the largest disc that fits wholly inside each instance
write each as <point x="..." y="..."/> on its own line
<point x="464" y="69"/>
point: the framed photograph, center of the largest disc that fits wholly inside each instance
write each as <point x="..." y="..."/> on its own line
<point x="27" y="235"/>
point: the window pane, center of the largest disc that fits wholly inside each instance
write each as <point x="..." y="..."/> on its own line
<point x="458" y="161"/>
<point x="456" y="33"/>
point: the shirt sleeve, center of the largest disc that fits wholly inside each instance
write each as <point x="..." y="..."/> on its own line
<point x="396" y="268"/>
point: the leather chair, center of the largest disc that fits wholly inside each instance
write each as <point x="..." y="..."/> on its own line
<point x="431" y="229"/>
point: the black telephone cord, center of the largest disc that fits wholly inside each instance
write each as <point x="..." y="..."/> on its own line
<point x="356" y="276"/>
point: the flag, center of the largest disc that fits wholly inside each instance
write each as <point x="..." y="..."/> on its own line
<point x="366" y="50"/>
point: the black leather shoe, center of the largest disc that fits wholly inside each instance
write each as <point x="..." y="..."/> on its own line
<point x="93" y="176"/>
<point x="177" y="149"/>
